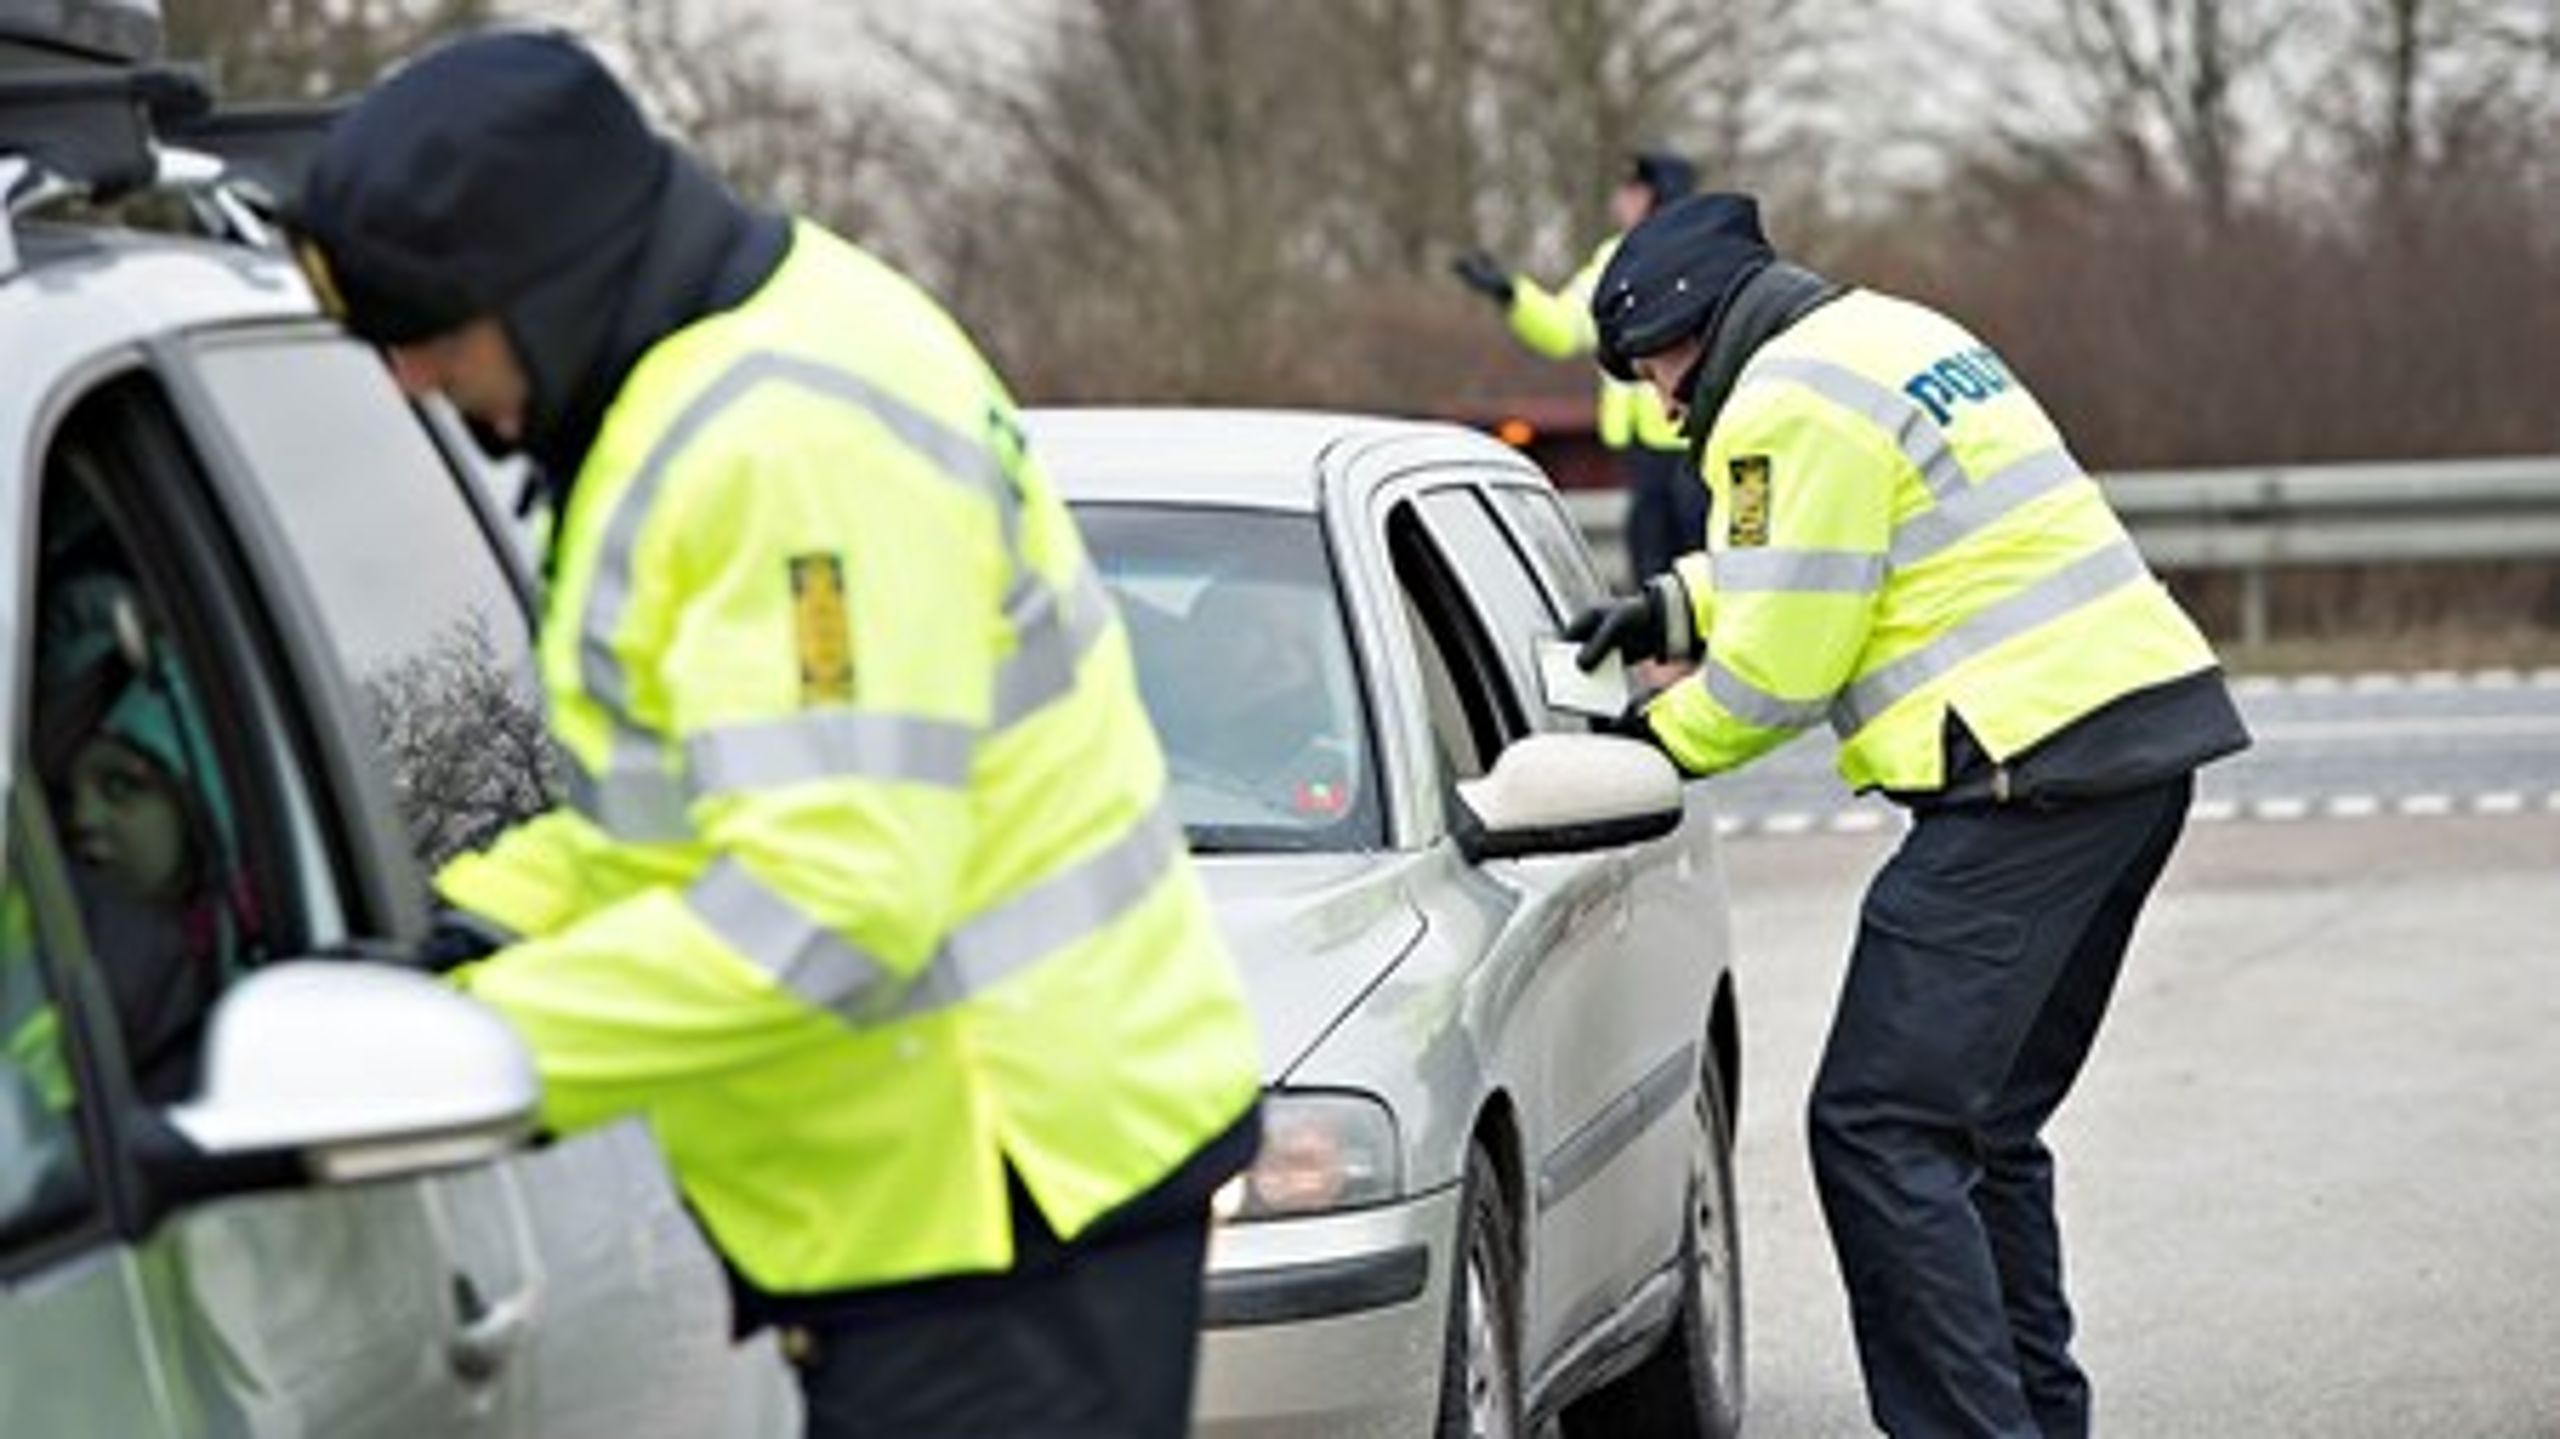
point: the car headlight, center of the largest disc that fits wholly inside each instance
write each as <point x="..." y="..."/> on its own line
<point x="1320" y="1152"/>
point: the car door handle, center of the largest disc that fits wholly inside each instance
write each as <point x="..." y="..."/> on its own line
<point x="485" y="1334"/>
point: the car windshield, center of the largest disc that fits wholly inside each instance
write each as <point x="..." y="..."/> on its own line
<point x="1246" y="667"/>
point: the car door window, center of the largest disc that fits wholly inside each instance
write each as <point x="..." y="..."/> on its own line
<point x="361" y="493"/>
<point x="189" y="847"/>
<point x="1475" y="710"/>
<point x="1500" y="589"/>
<point x="202" y="838"/>
<point x="1552" y="545"/>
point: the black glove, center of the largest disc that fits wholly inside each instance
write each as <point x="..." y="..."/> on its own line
<point x="1484" y="274"/>
<point x="456" y="938"/>
<point x="1630" y="627"/>
<point x="1651" y="624"/>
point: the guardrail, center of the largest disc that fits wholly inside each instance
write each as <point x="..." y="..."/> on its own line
<point x="2256" y="521"/>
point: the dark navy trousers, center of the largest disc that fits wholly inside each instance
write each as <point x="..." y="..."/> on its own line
<point x="1666" y="508"/>
<point x="1987" y="950"/>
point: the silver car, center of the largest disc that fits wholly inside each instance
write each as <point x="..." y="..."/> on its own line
<point x="250" y="1184"/>
<point x="1488" y="948"/>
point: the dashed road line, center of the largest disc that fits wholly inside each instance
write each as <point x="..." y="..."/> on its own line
<point x="2495" y="677"/>
<point x="2275" y="809"/>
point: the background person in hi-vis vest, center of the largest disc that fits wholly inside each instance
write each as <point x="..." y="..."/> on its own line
<point x="1666" y="506"/>
<point x="866" y="897"/>
<point x="1904" y="546"/>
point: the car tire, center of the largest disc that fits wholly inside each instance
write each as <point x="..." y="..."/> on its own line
<point x="1690" y="1387"/>
<point x="1480" y="1353"/>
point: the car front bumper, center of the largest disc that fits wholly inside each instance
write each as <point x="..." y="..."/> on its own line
<point x="1327" y="1326"/>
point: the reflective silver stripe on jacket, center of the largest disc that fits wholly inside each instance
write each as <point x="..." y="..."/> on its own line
<point x="1080" y="900"/>
<point x="635" y="799"/>
<point x="2099" y="573"/>
<point x="1918" y="437"/>
<point x="822" y="968"/>
<point x="1957" y="517"/>
<point x="1753" y="705"/>
<point x="803" y="956"/>
<point x="1759" y="571"/>
<point x="1053" y="641"/>
<point x="829" y="744"/>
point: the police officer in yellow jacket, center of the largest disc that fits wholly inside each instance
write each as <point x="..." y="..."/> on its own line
<point x="1666" y="506"/>
<point x="1905" y="548"/>
<point x="866" y="896"/>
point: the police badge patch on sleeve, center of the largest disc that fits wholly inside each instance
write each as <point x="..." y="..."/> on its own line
<point x="826" y="632"/>
<point x="1749" y="527"/>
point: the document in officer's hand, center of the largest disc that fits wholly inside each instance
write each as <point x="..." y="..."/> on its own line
<point x="1602" y="692"/>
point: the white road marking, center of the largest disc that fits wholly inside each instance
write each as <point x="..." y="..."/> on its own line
<point x="2380" y="727"/>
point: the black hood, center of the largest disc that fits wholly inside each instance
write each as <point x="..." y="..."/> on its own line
<point x="699" y="250"/>
<point x="508" y="174"/>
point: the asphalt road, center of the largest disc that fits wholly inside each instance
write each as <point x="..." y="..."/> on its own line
<point x="2311" y="1180"/>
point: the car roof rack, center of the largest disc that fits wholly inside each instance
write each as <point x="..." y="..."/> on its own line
<point x="101" y="133"/>
<point x="55" y="32"/>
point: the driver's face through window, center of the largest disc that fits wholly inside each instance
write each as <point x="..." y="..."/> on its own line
<point x="126" y="820"/>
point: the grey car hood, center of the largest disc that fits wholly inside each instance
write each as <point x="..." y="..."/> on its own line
<point x="1313" y="934"/>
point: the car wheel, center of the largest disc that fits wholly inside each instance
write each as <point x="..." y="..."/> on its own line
<point x="1480" y="1355"/>
<point x="1691" y="1386"/>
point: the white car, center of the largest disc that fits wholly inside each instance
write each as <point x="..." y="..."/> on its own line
<point x="250" y="1184"/>
<point x="1488" y="948"/>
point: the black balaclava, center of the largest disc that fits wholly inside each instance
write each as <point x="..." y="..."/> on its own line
<point x="509" y="174"/>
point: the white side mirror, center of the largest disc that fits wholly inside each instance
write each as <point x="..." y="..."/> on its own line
<point x="364" y="1070"/>
<point x="1565" y="793"/>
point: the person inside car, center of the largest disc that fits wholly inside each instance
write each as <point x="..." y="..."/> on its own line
<point x="145" y="820"/>
<point x="1259" y="711"/>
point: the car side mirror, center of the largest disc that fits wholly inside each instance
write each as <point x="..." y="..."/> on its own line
<point x="1567" y="793"/>
<point x="362" y="1071"/>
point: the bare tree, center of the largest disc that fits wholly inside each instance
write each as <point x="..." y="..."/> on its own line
<point x="720" y="80"/>
<point x="308" y="49"/>
<point x="2157" y="93"/>
<point x="1157" y="168"/>
<point x="1732" y="82"/>
<point x="2426" y="97"/>
<point x="1251" y="198"/>
<point x="466" y="740"/>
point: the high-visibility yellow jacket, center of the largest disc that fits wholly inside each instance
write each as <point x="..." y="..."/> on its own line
<point x="1557" y="324"/>
<point x="867" y="886"/>
<point x="1903" y="534"/>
